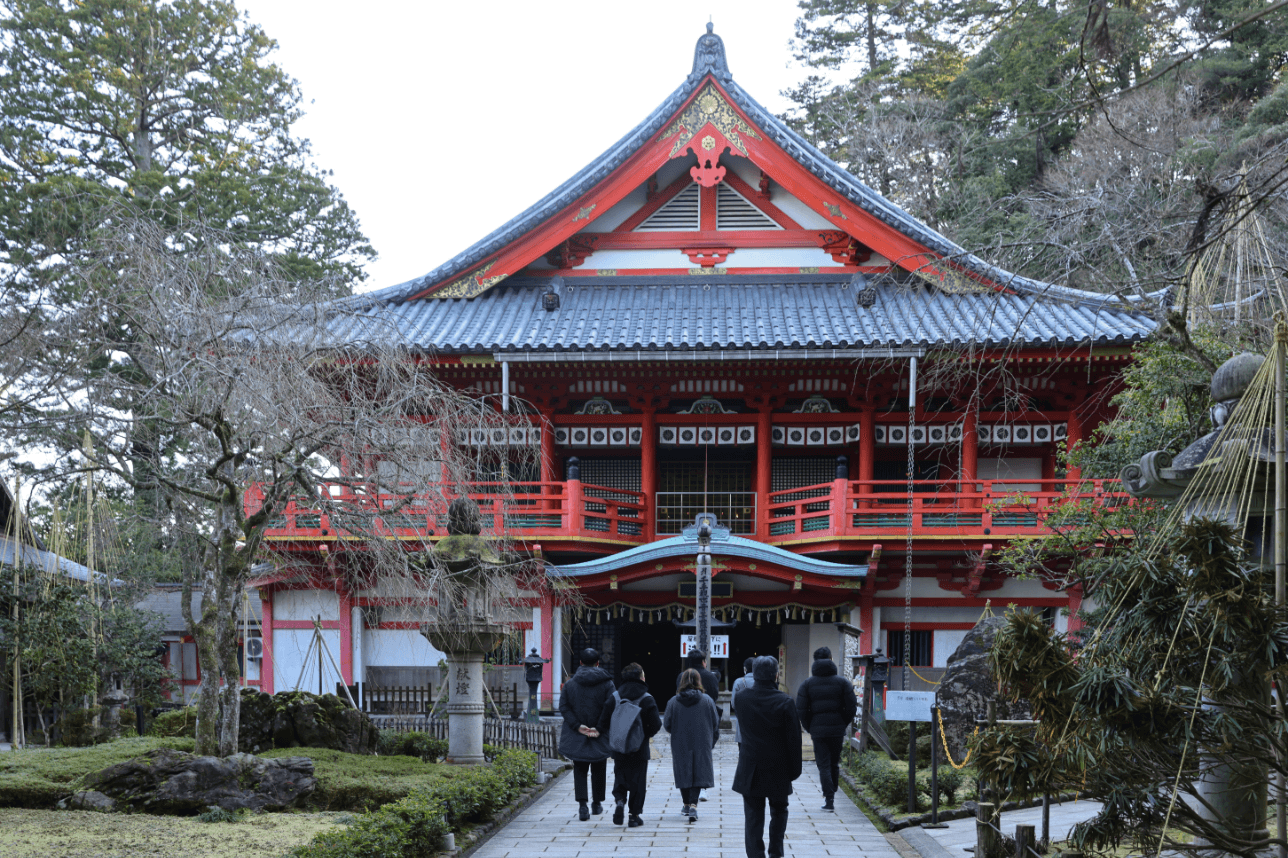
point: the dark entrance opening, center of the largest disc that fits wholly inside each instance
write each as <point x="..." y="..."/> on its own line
<point x="656" y="647"/>
<point x="746" y="640"/>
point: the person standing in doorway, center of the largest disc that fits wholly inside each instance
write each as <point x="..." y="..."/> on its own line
<point x="738" y="685"/>
<point x="827" y="706"/>
<point x="630" y="768"/>
<point x="769" y="758"/>
<point x="581" y="704"/>
<point x="694" y="724"/>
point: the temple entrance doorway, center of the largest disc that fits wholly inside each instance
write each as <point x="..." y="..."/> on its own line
<point x="747" y="640"/>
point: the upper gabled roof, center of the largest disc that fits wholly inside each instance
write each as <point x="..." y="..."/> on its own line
<point x="743" y="123"/>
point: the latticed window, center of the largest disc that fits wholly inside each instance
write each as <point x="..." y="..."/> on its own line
<point x="621" y="474"/>
<point x="795" y="472"/>
<point x="921" y="647"/>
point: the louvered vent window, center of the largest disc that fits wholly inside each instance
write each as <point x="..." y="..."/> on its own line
<point x="681" y="214"/>
<point x="733" y="211"/>
<point x="612" y="473"/>
<point x="793" y="473"/>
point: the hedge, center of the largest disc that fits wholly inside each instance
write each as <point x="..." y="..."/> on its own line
<point x="415" y="825"/>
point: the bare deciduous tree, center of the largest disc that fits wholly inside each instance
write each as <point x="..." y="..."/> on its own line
<point x="226" y="391"/>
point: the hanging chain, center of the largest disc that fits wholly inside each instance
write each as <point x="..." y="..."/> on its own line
<point x="907" y="554"/>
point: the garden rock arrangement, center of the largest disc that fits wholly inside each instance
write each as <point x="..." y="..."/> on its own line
<point x="297" y="719"/>
<point x="968" y="685"/>
<point x="174" y="782"/>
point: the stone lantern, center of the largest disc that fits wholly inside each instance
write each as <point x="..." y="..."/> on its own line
<point x="532" y="669"/>
<point x="1228" y="799"/>
<point x="465" y="630"/>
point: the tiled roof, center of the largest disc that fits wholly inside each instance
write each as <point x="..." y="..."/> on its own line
<point x="809" y="157"/>
<point x="737" y="312"/>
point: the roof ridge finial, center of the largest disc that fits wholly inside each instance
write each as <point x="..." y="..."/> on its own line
<point x="709" y="57"/>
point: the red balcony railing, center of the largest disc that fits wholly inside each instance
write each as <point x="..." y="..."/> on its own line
<point x="528" y="509"/>
<point x="861" y="507"/>
<point x="574" y="510"/>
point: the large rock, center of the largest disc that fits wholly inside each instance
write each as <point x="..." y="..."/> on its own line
<point x="968" y="685"/>
<point x="175" y="782"/>
<point x="297" y="719"/>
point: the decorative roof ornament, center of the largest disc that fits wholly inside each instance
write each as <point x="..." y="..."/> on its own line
<point x="816" y="405"/>
<point x="707" y="405"/>
<point x="598" y="405"/>
<point x="709" y="57"/>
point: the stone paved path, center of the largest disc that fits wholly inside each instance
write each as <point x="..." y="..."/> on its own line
<point x="550" y="826"/>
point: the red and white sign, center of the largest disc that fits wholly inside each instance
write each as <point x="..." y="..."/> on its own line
<point x="719" y="645"/>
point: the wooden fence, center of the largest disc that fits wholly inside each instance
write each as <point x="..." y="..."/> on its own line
<point x="542" y="738"/>
<point x="412" y="700"/>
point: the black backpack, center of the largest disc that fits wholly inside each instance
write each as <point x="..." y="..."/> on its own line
<point x="626" y="730"/>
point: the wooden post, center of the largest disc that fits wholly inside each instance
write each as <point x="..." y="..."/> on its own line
<point x="912" y="766"/>
<point x="1046" y="820"/>
<point x="1024" y="842"/>
<point x="987" y="841"/>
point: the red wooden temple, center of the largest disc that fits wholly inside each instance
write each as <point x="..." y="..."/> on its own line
<point x="714" y="317"/>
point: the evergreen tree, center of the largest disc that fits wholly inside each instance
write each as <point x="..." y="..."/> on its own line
<point x="173" y="105"/>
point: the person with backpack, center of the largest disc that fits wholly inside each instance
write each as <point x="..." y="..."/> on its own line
<point x="630" y="719"/>
<point x="581" y="704"/>
<point x="694" y="724"/>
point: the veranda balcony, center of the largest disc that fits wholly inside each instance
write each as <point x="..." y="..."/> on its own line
<point x="607" y="519"/>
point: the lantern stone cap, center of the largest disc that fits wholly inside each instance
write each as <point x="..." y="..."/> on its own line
<point x="1233" y="378"/>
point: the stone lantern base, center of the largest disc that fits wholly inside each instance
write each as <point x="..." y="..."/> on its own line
<point x="465" y="647"/>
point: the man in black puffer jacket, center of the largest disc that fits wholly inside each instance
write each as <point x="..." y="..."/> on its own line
<point x="826" y="705"/>
<point x="630" y="770"/>
<point x="581" y="704"/>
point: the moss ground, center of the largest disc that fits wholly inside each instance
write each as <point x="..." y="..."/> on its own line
<point x="358" y="782"/>
<point x="38" y="777"/>
<point x="26" y="833"/>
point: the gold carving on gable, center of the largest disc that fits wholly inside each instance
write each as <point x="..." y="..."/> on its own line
<point x="710" y="106"/>
<point x="585" y="212"/>
<point x="475" y="283"/>
<point x="835" y="211"/>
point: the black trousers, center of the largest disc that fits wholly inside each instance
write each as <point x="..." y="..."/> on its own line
<point x="629" y="780"/>
<point x="753" y="816"/>
<point x="690" y="795"/>
<point x="827" y="754"/>
<point x="598" y="779"/>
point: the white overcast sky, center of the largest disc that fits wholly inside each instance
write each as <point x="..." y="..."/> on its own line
<point x="442" y="120"/>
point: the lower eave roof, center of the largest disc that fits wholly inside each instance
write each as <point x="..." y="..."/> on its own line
<point x="684" y="312"/>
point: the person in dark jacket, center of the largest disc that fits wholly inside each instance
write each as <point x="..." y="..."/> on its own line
<point x="826" y="705"/>
<point x="769" y="758"/>
<point x="697" y="660"/>
<point x="694" y="724"/>
<point x="739" y="684"/>
<point x="630" y="770"/>
<point x="581" y="703"/>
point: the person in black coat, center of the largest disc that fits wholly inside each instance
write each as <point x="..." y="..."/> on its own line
<point x="630" y="770"/>
<point x="697" y="660"/>
<point x="827" y="706"/>
<point x="769" y="757"/>
<point x="581" y="703"/>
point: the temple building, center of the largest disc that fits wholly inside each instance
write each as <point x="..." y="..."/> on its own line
<point x="714" y="317"/>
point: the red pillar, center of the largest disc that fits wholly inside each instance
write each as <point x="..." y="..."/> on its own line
<point x="346" y="634"/>
<point x="1075" y="605"/>
<point x="1075" y="438"/>
<point x="764" y="468"/>
<point x="970" y="454"/>
<point x="547" y="448"/>
<point x="266" y="623"/>
<point x="547" y="648"/>
<point x="648" y="471"/>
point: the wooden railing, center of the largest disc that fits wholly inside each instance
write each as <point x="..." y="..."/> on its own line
<point x="528" y="509"/>
<point x="576" y="510"/>
<point x="995" y="507"/>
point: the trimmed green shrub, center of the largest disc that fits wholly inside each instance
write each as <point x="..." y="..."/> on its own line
<point x="415" y="825"/>
<point x="214" y="813"/>
<point x="413" y="744"/>
<point x="175" y="723"/>
<point x="75" y="729"/>
<point x="363" y="782"/>
<point x="950" y="780"/>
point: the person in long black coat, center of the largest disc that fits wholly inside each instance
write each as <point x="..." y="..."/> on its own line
<point x="694" y="724"/>
<point x="630" y="769"/>
<point x="581" y="703"/>
<point x="827" y="706"/>
<point x="769" y="757"/>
